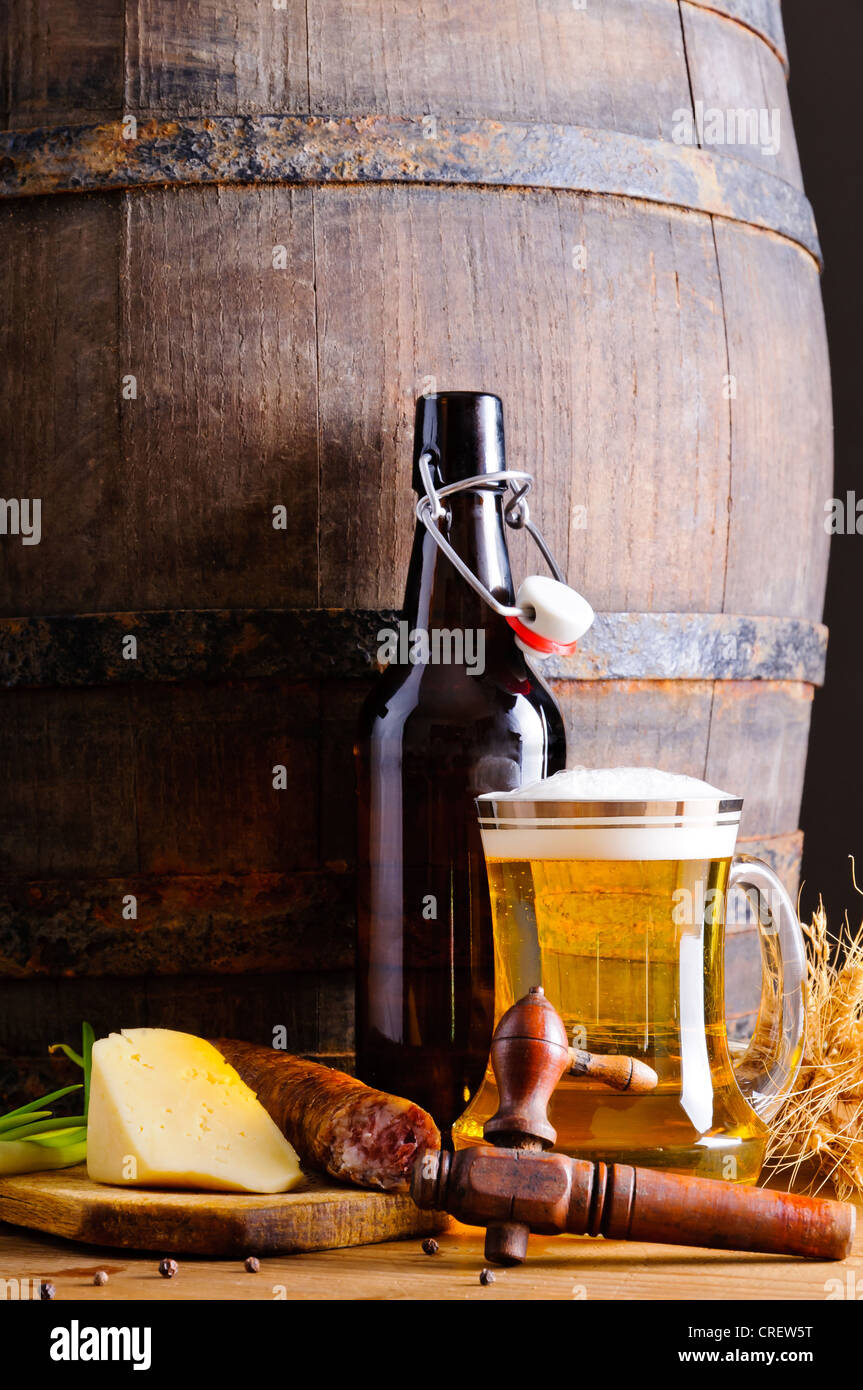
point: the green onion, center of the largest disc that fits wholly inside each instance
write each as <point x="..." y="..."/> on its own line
<point x="30" y="1157"/>
<point x="41" y="1100"/>
<point x="14" y="1120"/>
<point x="87" y="1040"/>
<point x="59" y="1138"/>
<point x="70" y="1053"/>
<point x="32" y="1138"/>
<point x="43" y="1127"/>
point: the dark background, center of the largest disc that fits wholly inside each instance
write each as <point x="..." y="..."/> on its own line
<point x="824" y="44"/>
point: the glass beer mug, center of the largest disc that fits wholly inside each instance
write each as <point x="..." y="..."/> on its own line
<point x="609" y="889"/>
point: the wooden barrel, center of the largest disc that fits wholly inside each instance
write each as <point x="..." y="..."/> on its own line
<point x="235" y="246"/>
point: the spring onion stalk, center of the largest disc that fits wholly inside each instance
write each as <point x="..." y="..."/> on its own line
<point x="21" y="1157"/>
<point x="32" y="1139"/>
<point x="88" y="1038"/>
<point x="14" y="1120"/>
<point x="59" y="1137"/>
<point x="7" y="1120"/>
<point x="44" y="1127"/>
<point x="69" y="1052"/>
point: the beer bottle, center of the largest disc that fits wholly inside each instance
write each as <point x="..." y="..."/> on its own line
<point x="457" y="712"/>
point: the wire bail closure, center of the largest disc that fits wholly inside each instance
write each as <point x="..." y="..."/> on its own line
<point x="516" y="514"/>
<point x="548" y="617"/>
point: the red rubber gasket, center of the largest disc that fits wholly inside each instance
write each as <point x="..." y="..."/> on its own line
<point x="539" y="643"/>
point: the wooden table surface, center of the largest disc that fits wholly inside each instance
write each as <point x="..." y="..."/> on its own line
<point x="565" y="1267"/>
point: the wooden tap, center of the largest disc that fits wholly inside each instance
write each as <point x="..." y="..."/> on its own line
<point x="530" y="1053"/>
<point x="515" y="1187"/>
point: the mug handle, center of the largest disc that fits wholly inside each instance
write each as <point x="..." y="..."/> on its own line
<point x="772" y="1060"/>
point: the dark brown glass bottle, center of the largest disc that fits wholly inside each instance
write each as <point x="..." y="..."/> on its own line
<point x="432" y="737"/>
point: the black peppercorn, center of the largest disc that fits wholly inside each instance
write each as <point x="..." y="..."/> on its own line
<point x="100" y="1277"/>
<point x="486" y="1276"/>
<point x="253" y="1264"/>
<point x="168" y="1268"/>
<point x="430" y="1246"/>
<point x="47" y="1292"/>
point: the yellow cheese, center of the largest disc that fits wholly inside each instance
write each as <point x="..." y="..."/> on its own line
<point x="166" y="1110"/>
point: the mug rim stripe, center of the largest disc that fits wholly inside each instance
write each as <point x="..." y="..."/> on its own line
<point x="702" y="809"/>
<point x="624" y="822"/>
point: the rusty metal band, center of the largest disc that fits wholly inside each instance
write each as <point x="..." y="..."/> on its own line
<point x="763" y="17"/>
<point x="224" y="924"/>
<point x="395" y="149"/>
<point x="307" y="644"/>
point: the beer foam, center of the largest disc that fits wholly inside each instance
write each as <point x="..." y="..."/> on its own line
<point x="696" y="833"/>
<point x="615" y="784"/>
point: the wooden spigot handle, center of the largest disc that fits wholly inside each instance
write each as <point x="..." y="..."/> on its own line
<point x="642" y="1204"/>
<point x="530" y="1053"/>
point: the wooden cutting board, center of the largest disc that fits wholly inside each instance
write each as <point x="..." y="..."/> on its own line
<point x="318" y="1216"/>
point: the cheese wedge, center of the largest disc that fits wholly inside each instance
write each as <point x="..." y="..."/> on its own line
<point x="166" y="1110"/>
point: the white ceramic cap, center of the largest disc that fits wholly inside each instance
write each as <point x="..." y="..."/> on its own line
<point x="560" y="615"/>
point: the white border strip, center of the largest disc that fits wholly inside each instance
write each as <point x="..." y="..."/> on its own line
<point x="629" y="842"/>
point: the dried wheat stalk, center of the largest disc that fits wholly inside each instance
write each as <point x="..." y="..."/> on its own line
<point x="817" y="1136"/>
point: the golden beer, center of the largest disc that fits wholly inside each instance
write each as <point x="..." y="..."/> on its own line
<point x="618" y="910"/>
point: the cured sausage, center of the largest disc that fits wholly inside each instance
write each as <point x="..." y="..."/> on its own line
<point x="337" y="1124"/>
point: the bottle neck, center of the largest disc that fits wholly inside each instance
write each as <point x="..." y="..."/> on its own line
<point x="437" y="595"/>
